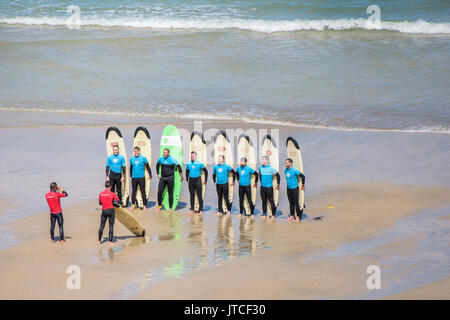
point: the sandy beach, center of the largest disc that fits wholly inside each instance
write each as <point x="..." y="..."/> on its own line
<point x="218" y="258"/>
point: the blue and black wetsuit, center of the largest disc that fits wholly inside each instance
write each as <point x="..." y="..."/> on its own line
<point x="266" y="174"/>
<point x="194" y="178"/>
<point x="220" y="178"/>
<point x="293" y="190"/>
<point x="244" y="177"/>
<point x="137" y="174"/>
<point x="115" y="168"/>
<point x="166" y="167"/>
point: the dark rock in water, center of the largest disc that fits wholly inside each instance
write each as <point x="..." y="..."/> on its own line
<point x="321" y="218"/>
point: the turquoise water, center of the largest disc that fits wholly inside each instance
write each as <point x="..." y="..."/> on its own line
<point x="307" y="63"/>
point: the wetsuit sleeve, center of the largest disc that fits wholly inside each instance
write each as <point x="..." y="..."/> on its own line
<point x="256" y="177"/>
<point x="214" y="174"/>
<point x="179" y="169"/>
<point x="148" y="169"/>
<point x="237" y="175"/>
<point x="107" y="171"/>
<point x="99" y="202"/>
<point x="234" y="174"/>
<point x="278" y="178"/>
<point x="131" y="170"/>
<point x="187" y="174"/>
<point x="124" y="170"/>
<point x="157" y="166"/>
<point x="206" y="173"/>
<point x="62" y="194"/>
<point x="302" y="176"/>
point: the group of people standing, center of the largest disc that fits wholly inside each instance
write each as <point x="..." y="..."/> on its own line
<point x="166" y="167"/>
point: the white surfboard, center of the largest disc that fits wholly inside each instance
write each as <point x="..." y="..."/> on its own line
<point x="293" y="152"/>
<point x="198" y="144"/>
<point x="246" y="149"/>
<point x="269" y="148"/>
<point x="222" y="146"/>
<point x="143" y="141"/>
<point x="114" y="137"/>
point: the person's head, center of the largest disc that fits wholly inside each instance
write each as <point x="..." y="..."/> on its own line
<point x="243" y="161"/>
<point x="53" y="186"/>
<point x="221" y="159"/>
<point x="265" y="160"/>
<point x="166" y="152"/>
<point x="107" y="184"/>
<point x="288" y="163"/>
<point x="137" y="151"/>
<point x="193" y="156"/>
<point x="116" y="149"/>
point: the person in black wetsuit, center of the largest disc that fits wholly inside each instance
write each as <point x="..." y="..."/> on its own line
<point x="165" y="168"/>
<point x="138" y="165"/>
<point x="244" y="176"/>
<point x="220" y="177"/>
<point x="115" y="172"/>
<point x="194" y="170"/>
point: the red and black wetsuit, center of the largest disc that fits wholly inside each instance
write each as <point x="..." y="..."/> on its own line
<point x="106" y="200"/>
<point x="53" y="200"/>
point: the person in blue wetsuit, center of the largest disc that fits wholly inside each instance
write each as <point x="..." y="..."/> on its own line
<point x="138" y="164"/>
<point x="266" y="173"/>
<point x="115" y="171"/>
<point x="165" y="168"/>
<point x="220" y="178"/>
<point x="244" y="176"/>
<point x="293" y="189"/>
<point x="194" y="170"/>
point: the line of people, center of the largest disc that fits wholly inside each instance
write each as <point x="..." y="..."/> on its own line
<point x="167" y="165"/>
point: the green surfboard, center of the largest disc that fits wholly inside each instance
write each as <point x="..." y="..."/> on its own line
<point x="171" y="140"/>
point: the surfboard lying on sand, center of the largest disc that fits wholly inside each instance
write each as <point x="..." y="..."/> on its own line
<point x="171" y="140"/>
<point x="222" y="146"/>
<point x="269" y="148"/>
<point x="114" y="137"/>
<point x="198" y="144"/>
<point x="293" y="152"/>
<point x="246" y="149"/>
<point x="143" y="141"/>
<point x="126" y="218"/>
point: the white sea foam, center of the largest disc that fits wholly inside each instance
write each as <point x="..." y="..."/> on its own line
<point x="224" y="117"/>
<point x="266" y="26"/>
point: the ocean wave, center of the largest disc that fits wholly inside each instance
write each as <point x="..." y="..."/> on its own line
<point x="265" y="26"/>
<point x="214" y="117"/>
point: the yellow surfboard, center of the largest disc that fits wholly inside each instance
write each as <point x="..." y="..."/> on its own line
<point x="126" y="218"/>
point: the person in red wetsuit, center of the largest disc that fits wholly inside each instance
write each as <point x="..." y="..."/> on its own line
<point x="106" y="200"/>
<point x="53" y="200"/>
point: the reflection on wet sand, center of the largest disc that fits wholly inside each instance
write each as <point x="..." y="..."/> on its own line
<point x="231" y="240"/>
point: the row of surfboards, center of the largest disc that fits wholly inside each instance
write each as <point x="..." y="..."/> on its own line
<point x="171" y="140"/>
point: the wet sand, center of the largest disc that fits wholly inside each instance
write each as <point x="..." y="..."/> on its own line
<point x="187" y="257"/>
<point x="373" y="179"/>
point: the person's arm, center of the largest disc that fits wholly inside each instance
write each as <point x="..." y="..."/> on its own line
<point x="107" y="171"/>
<point x="187" y="174"/>
<point x="157" y="167"/>
<point x="206" y="174"/>
<point x="234" y="174"/>
<point x="256" y="176"/>
<point x="278" y="178"/>
<point x="214" y="175"/>
<point x="147" y="166"/>
<point x="302" y="176"/>
<point x="124" y="171"/>
<point x="237" y="176"/>
<point x="131" y="170"/>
